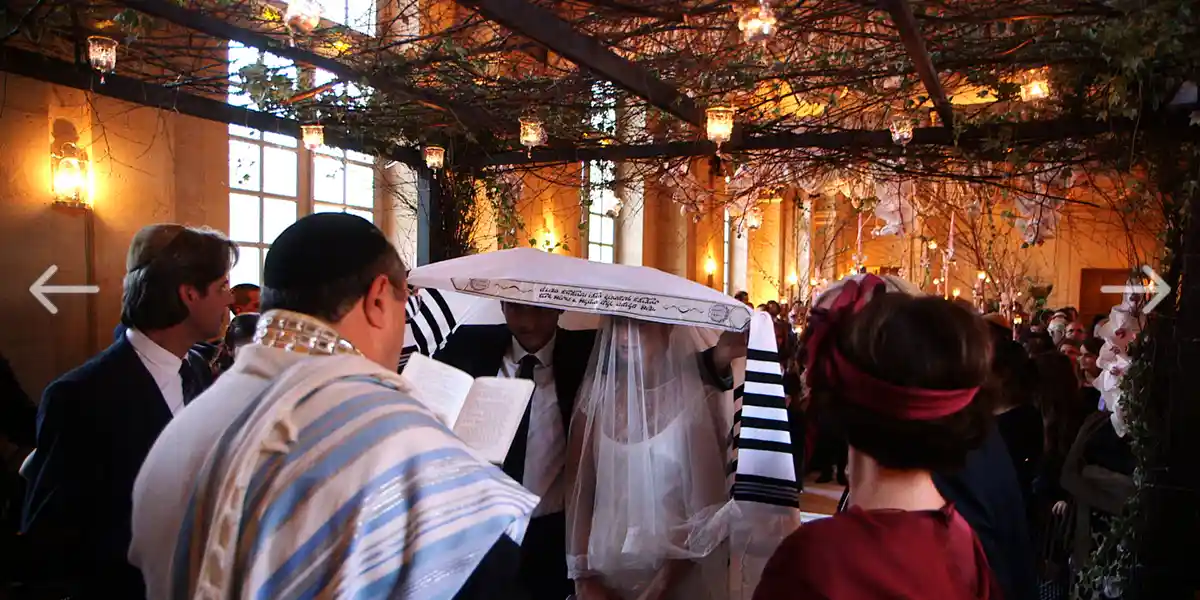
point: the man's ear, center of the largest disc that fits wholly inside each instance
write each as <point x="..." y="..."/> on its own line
<point x="375" y="305"/>
<point x="188" y="294"/>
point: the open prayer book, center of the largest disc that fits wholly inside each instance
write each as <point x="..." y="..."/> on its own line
<point x="485" y="413"/>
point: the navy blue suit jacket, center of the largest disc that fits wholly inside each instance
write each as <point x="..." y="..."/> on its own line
<point x="95" y="426"/>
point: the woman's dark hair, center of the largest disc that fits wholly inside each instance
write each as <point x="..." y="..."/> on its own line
<point x="1012" y="372"/>
<point x="917" y="342"/>
<point x="1060" y="400"/>
<point x="1093" y="345"/>
<point x="1038" y="343"/>
<point x="164" y="257"/>
<point x="241" y="330"/>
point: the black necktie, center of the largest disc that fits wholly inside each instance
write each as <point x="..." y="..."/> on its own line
<point x="191" y="383"/>
<point x="514" y="463"/>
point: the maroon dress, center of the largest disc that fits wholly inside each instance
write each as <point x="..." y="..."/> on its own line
<point x="880" y="555"/>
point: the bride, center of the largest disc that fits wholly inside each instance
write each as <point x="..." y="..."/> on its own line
<point x="647" y="469"/>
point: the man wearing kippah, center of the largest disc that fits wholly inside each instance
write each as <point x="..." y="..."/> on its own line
<point x="308" y="470"/>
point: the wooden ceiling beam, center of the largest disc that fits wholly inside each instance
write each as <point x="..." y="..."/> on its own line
<point x="914" y="43"/>
<point x="59" y="72"/>
<point x="556" y="34"/>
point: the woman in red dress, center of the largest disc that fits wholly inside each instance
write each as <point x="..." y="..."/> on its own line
<point x="901" y="375"/>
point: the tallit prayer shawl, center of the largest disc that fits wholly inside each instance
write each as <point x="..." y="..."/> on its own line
<point x="335" y="484"/>
<point x="762" y="444"/>
<point x="431" y="317"/>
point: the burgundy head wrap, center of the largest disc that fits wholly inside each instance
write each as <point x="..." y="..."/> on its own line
<point x="855" y="385"/>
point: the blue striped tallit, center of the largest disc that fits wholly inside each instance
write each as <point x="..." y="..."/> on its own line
<point x="335" y="484"/>
<point x="762" y="466"/>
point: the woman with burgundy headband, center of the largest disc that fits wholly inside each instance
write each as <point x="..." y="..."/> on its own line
<point x="901" y="374"/>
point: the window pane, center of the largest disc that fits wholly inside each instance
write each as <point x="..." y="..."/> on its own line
<point x="277" y="215"/>
<point x="247" y="269"/>
<point x="328" y="182"/>
<point x="594" y="252"/>
<point x="282" y="140"/>
<point x="594" y="224"/>
<point x="608" y="201"/>
<point x="245" y="132"/>
<point x="326" y="150"/>
<point x="243" y="165"/>
<point x="243" y="218"/>
<point x="366" y="214"/>
<point x="606" y="231"/>
<point x="280" y="165"/>
<point x="360" y="185"/>
<point x="606" y="254"/>
<point x="323" y="208"/>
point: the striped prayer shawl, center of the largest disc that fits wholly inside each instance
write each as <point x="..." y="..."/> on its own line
<point x="762" y="466"/>
<point x="333" y="483"/>
<point x="431" y="318"/>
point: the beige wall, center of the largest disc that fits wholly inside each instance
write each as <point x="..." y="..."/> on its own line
<point x="148" y="166"/>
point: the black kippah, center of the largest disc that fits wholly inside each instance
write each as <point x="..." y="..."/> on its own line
<point x="322" y="248"/>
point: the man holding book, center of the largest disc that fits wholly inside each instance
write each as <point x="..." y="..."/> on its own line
<point x="309" y="469"/>
<point x="531" y="345"/>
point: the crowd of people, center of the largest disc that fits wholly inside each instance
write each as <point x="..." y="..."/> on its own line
<point x="258" y="442"/>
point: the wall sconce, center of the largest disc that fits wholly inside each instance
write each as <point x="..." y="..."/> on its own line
<point x="956" y="293"/>
<point x="69" y="173"/>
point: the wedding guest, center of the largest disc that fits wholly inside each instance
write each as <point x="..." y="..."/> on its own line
<point x="743" y="297"/>
<point x="902" y="375"/>
<point x="246" y="298"/>
<point x="97" y="423"/>
<point x="308" y="470"/>
<point x="1017" y="416"/>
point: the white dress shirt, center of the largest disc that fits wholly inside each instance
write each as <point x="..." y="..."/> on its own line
<point x="546" y="444"/>
<point x="163" y="367"/>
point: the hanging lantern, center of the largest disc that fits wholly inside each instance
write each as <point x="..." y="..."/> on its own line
<point x="1035" y="87"/>
<point x="313" y="136"/>
<point x="902" y="131"/>
<point x="102" y="54"/>
<point x="720" y="124"/>
<point x="754" y="218"/>
<point x="757" y="23"/>
<point x="532" y="133"/>
<point x="435" y="157"/>
<point x="303" y="15"/>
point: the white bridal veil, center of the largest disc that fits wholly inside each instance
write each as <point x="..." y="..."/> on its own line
<point x="648" y="446"/>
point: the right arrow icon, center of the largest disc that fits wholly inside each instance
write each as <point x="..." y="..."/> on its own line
<point x="1158" y="287"/>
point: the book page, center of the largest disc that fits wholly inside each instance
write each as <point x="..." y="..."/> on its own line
<point x="440" y="387"/>
<point x="492" y="414"/>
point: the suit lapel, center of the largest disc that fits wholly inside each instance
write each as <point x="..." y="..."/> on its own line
<point x="142" y="382"/>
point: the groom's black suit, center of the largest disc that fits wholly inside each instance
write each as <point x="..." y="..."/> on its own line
<point x="479" y="350"/>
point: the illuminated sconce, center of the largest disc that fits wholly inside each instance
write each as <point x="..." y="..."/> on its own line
<point x="981" y="275"/>
<point x="956" y="293"/>
<point x="933" y="244"/>
<point x="313" y="136"/>
<point x="757" y="23"/>
<point x="937" y="281"/>
<point x="902" y="131"/>
<point x="719" y="124"/>
<point x="1017" y="320"/>
<point x="1035" y="87"/>
<point x="303" y="15"/>
<point x="533" y="133"/>
<point x="69" y="171"/>
<point x="754" y="218"/>
<point x="102" y="54"/>
<point x="710" y="266"/>
<point x="813" y="282"/>
<point x="435" y="157"/>
<point x="793" y="279"/>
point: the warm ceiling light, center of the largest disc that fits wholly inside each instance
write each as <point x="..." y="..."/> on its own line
<point x="102" y="54"/>
<point x="1035" y="87"/>
<point x="435" y="157"/>
<point x="303" y="15"/>
<point x="754" y="218"/>
<point x="757" y="23"/>
<point x="902" y="131"/>
<point x="313" y="136"/>
<point x="719" y="124"/>
<point x="532" y="132"/>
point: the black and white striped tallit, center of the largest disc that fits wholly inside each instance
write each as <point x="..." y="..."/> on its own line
<point x="431" y="318"/>
<point x="762" y="466"/>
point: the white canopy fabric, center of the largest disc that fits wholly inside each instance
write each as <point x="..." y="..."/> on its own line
<point x="530" y="276"/>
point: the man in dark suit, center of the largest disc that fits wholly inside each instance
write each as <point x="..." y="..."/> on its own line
<point x="97" y="423"/>
<point x="531" y="345"/>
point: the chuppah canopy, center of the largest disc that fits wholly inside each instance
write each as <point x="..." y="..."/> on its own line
<point x="530" y="276"/>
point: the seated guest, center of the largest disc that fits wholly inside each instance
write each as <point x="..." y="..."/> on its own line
<point x="901" y="375"/>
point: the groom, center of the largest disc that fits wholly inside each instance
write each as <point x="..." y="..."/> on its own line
<point x="531" y="345"/>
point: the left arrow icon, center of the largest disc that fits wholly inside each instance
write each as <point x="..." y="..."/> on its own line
<point x="39" y="289"/>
